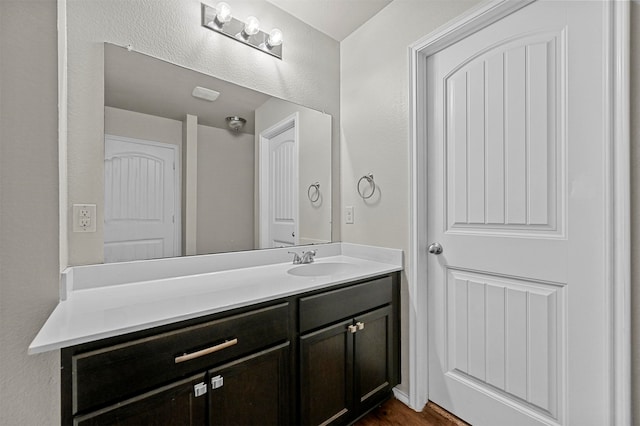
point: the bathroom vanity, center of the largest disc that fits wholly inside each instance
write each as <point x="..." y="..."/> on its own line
<point x="278" y="344"/>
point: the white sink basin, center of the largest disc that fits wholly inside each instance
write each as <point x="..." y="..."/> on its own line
<point x="319" y="269"/>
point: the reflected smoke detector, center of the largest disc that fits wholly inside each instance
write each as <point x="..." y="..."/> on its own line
<point x="236" y="123"/>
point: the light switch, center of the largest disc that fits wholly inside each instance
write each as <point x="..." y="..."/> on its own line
<point x="349" y="214"/>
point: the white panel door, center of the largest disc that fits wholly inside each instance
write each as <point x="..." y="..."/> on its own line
<point x="283" y="189"/>
<point x="517" y="314"/>
<point x="141" y="200"/>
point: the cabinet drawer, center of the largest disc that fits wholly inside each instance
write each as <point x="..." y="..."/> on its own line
<point x="335" y="305"/>
<point x="130" y="368"/>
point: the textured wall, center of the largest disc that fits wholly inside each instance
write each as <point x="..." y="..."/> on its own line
<point x="170" y="29"/>
<point x="29" y="385"/>
<point x="374" y="119"/>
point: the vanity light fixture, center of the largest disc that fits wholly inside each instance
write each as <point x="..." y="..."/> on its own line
<point x="223" y="14"/>
<point x="221" y="20"/>
<point x="251" y="27"/>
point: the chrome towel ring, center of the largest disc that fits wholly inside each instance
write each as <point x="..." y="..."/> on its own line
<point x="315" y="195"/>
<point x="372" y="184"/>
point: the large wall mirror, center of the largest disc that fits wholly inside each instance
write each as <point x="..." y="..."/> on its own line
<point x="180" y="178"/>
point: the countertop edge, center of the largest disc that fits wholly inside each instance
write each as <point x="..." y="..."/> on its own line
<point x="44" y="342"/>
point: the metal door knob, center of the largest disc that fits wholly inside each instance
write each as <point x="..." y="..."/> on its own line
<point x="435" y="248"/>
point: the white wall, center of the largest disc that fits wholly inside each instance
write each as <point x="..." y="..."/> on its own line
<point x="375" y="123"/>
<point x="171" y="30"/>
<point x="29" y="385"/>
<point x="314" y="154"/>
<point x="225" y="191"/>
<point x="131" y="124"/>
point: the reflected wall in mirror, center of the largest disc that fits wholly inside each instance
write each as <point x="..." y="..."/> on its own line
<point x="180" y="181"/>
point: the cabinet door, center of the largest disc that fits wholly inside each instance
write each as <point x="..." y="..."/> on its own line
<point x="175" y="404"/>
<point x="326" y="387"/>
<point x="252" y="390"/>
<point x="373" y="355"/>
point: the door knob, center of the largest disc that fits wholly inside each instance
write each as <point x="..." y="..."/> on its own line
<point x="435" y="248"/>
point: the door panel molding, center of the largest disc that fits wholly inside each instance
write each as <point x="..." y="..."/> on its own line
<point x="617" y="195"/>
<point x="485" y="186"/>
<point x="505" y="335"/>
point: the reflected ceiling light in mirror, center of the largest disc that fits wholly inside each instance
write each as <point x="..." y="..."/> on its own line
<point x="236" y="123"/>
<point x="220" y="20"/>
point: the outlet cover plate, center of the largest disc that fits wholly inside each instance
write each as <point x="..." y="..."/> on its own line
<point x="84" y="218"/>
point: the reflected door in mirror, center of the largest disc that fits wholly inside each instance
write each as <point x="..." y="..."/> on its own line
<point x="283" y="184"/>
<point x="141" y="199"/>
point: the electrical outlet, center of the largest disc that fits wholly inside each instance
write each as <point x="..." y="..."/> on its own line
<point x="349" y="214"/>
<point x="84" y="218"/>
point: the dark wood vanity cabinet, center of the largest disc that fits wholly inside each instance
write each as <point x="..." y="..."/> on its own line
<point x="348" y="365"/>
<point x="251" y="391"/>
<point x="329" y="355"/>
<point x="174" y="404"/>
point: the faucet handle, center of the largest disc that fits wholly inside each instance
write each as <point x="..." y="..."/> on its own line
<point x="296" y="257"/>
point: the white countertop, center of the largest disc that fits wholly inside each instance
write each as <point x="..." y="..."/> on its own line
<point x="90" y="314"/>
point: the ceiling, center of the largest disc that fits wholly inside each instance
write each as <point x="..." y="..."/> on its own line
<point x="137" y="82"/>
<point x="336" y="18"/>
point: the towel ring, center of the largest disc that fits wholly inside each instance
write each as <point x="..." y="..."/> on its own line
<point x="314" y="196"/>
<point x="372" y="183"/>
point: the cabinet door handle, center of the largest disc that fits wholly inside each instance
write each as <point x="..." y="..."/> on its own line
<point x="352" y="328"/>
<point x="360" y="325"/>
<point x="207" y="351"/>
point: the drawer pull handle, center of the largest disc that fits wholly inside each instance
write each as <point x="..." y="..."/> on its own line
<point x="203" y="352"/>
<point x="360" y="325"/>
<point x="352" y="328"/>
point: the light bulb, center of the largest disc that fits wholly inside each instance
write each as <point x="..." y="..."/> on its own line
<point x="252" y="26"/>
<point x="223" y="13"/>
<point x="275" y="38"/>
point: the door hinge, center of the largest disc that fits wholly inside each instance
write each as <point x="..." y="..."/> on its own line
<point x="200" y="389"/>
<point x="173" y="218"/>
<point x="174" y="165"/>
<point x="217" y="382"/>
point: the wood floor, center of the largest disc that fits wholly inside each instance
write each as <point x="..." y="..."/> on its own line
<point x="395" y="413"/>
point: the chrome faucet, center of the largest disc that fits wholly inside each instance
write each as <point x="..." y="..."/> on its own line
<point x="307" y="257"/>
<point x="296" y="257"/>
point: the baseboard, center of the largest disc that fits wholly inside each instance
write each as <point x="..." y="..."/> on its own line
<point x="404" y="398"/>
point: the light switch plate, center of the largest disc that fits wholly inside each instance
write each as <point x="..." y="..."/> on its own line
<point x="84" y="218"/>
<point x="348" y="214"/>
